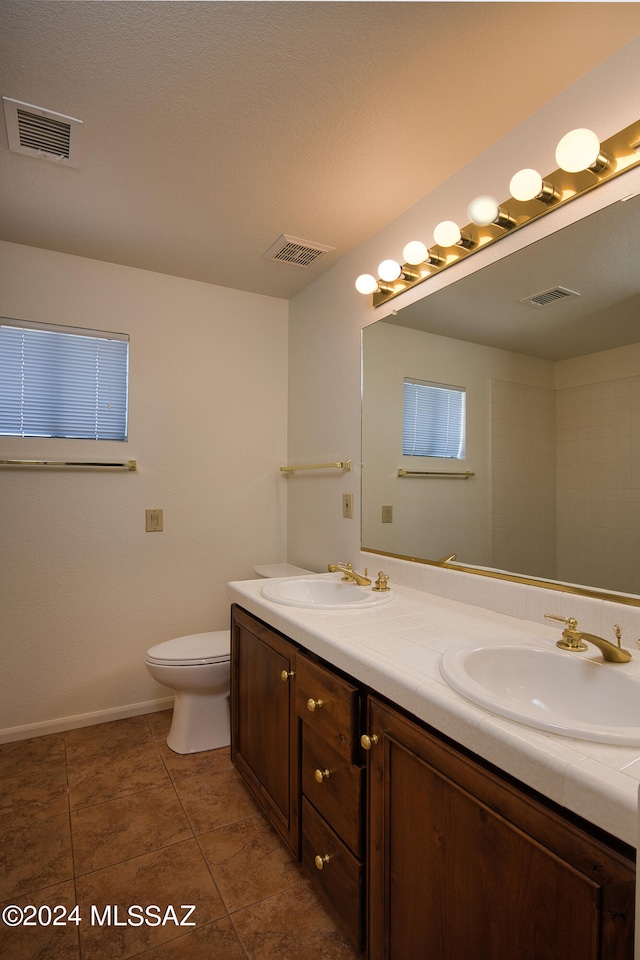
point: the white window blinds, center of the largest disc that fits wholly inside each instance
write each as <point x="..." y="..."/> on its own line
<point x="434" y="420"/>
<point x="62" y="381"/>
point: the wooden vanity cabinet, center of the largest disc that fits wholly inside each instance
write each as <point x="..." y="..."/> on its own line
<point x="459" y="861"/>
<point x="264" y="725"/>
<point x="332" y="782"/>
<point x="463" y="863"/>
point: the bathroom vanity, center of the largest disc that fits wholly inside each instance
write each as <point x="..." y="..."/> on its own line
<point x="424" y="823"/>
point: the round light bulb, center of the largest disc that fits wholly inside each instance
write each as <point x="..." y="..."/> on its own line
<point x="366" y="283"/>
<point x="415" y="252"/>
<point x="577" y="150"/>
<point x="483" y="210"/>
<point x="525" y="185"/>
<point x="447" y="233"/>
<point x="389" y="270"/>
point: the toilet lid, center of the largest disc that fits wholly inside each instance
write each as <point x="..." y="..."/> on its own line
<point x="212" y="647"/>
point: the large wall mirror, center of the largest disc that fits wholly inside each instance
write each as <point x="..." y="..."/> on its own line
<point x="552" y="413"/>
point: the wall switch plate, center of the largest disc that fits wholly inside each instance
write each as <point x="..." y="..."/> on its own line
<point x="153" y="520"/>
<point x="387" y="514"/>
<point x="347" y="506"/>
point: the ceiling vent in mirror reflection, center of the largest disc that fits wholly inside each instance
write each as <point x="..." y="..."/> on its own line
<point x="548" y="297"/>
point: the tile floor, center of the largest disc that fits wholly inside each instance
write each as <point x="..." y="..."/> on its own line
<point x="107" y="817"/>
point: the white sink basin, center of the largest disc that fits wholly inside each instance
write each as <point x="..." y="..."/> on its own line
<point x="545" y="688"/>
<point x="323" y="593"/>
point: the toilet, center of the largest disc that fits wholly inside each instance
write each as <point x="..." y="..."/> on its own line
<point x="198" y="668"/>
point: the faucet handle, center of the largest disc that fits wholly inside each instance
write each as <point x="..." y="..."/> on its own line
<point x="382" y="583"/>
<point x="571" y="622"/>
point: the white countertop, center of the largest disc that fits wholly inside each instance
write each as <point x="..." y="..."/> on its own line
<point x="395" y="649"/>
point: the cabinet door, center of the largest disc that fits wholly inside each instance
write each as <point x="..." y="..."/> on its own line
<point x="264" y="727"/>
<point x="465" y="865"/>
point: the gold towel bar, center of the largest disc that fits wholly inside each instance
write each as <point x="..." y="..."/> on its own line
<point x="127" y="465"/>
<point x="337" y="465"/>
<point x="461" y="474"/>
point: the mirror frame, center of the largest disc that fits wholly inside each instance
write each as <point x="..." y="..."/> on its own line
<point x="558" y="585"/>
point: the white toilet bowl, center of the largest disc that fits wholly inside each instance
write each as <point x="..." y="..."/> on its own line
<point x="197" y="667"/>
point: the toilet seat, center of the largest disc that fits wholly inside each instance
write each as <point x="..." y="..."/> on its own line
<point x="197" y="648"/>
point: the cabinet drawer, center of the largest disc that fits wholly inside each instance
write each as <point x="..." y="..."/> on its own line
<point x="334" y="786"/>
<point x="340" y="881"/>
<point x="329" y="705"/>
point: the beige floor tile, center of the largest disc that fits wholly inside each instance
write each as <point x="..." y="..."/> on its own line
<point x="182" y="765"/>
<point x="172" y="877"/>
<point x="107" y="833"/>
<point x="248" y="861"/>
<point x="104" y="739"/>
<point x="22" y="756"/>
<point x="159" y="723"/>
<point x="217" y="800"/>
<point x="34" y="856"/>
<point x="290" y="926"/>
<point x="45" y="940"/>
<point x="119" y="772"/>
<point x="34" y="794"/>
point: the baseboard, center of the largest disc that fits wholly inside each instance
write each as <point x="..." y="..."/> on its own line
<point x="10" y="734"/>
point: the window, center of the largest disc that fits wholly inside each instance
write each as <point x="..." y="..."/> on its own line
<point x="434" y="420"/>
<point x="62" y="381"/>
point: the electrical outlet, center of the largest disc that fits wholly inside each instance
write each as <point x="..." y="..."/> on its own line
<point x="387" y="514"/>
<point x="153" y="521"/>
<point x="347" y="505"/>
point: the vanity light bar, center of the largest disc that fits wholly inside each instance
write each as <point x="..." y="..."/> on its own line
<point x="586" y="163"/>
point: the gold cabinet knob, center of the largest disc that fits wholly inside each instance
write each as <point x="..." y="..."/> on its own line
<point x="286" y="675"/>
<point x="313" y="705"/>
<point x="367" y="742"/>
<point x="321" y="775"/>
<point x="320" y="861"/>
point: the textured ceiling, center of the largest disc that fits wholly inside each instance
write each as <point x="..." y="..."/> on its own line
<point x="210" y="129"/>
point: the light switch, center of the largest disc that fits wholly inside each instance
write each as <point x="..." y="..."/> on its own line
<point x="347" y="505"/>
<point x="153" y="520"/>
<point x="387" y="514"/>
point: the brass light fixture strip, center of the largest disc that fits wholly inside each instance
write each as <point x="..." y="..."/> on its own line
<point x="623" y="148"/>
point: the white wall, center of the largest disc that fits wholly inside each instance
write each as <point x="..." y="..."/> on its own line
<point x="84" y="590"/>
<point x="423" y="508"/>
<point x="599" y="469"/>
<point x="327" y="317"/>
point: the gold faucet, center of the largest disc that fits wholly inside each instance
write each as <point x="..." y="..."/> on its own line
<point x="573" y="639"/>
<point x="350" y="576"/>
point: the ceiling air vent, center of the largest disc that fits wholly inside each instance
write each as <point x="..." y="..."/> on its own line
<point x="548" y="297"/>
<point x="300" y="253"/>
<point x="42" y="133"/>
